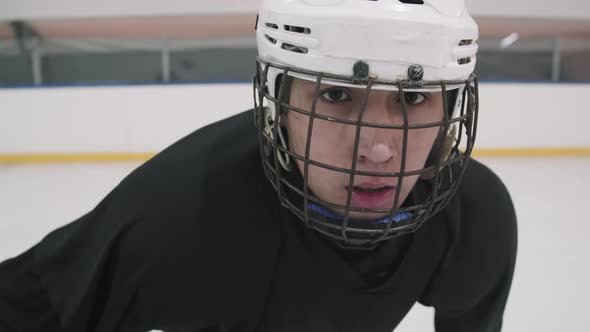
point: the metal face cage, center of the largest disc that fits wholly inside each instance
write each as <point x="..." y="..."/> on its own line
<point x="438" y="180"/>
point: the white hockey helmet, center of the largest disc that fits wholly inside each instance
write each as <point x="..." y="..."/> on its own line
<point x="391" y="36"/>
<point x="408" y="45"/>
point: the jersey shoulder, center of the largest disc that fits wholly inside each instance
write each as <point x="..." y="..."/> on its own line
<point x="485" y="208"/>
<point x="210" y="182"/>
<point x="185" y="237"/>
<point x="205" y="199"/>
<point x="482" y="240"/>
<point x="215" y="167"/>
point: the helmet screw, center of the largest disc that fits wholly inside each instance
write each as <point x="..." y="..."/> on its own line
<point x="416" y="73"/>
<point x="360" y="71"/>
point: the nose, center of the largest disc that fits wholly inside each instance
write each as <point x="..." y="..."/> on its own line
<point x="378" y="145"/>
<point x="378" y="153"/>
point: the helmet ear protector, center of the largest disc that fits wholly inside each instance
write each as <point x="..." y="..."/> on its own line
<point x="284" y="158"/>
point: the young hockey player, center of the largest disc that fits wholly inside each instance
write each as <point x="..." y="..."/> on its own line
<point x="346" y="196"/>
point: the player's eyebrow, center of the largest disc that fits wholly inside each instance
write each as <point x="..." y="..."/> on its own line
<point x="312" y="84"/>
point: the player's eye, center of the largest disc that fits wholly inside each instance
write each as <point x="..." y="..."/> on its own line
<point x="336" y="96"/>
<point x="414" y="98"/>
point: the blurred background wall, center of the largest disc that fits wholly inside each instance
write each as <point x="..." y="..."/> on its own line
<point x="28" y="9"/>
<point x="133" y="76"/>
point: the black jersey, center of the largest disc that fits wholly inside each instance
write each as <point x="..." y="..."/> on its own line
<point x="195" y="240"/>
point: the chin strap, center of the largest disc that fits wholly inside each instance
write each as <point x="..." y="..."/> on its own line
<point x="399" y="217"/>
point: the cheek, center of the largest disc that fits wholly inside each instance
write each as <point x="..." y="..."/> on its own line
<point x="420" y="141"/>
<point x="296" y="125"/>
<point x="420" y="144"/>
<point x="332" y="143"/>
<point x="329" y="141"/>
<point x="327" y="147"/>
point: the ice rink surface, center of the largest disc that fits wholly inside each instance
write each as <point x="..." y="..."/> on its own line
<point x="551" y="286"/>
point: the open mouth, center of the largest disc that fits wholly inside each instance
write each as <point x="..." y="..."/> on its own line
<point x="372" y="197"/>
<point x="371" y="190"/>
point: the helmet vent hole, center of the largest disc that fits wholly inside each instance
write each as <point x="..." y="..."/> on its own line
<point x="464" y="61"/>
<point x="296" y="29"/>
<point x="272" y="25"/>
<point x="413" y="2"/>
<point x="293" y="48"/>
<point x="270" y="39"/>
<point x="466" y="42"/>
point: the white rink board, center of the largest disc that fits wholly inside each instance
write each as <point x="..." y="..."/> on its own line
<point x="139" y="119"/>
<point x="112" y="119"/>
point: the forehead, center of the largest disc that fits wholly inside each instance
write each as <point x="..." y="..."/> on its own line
<point x="308" y="88"/>
<point x="298" y="84"/>
<point x="310" y="83"/>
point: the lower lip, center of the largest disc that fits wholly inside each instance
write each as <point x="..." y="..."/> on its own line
<point x="373" y="200"/>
